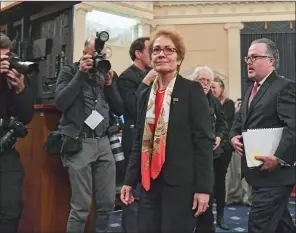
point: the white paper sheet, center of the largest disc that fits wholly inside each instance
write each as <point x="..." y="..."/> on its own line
<point x="260" y="142"/>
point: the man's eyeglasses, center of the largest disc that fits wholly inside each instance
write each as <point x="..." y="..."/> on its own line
<point x="166" y="50"/>
<point x="204" y="80"/>
<point x="255" y="58"/>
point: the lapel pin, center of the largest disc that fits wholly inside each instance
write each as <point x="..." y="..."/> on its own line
<point x="175" y="100"/>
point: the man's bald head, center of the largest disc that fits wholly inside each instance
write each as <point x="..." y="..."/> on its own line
<point x="89" y="47"/>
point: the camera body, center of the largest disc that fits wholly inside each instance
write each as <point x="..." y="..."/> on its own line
<point x="14" y="129"/>
<point x="25" y="67"/>
<point x="100" y="63"/>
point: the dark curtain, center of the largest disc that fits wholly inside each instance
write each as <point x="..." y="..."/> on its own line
<point x="286" y="44"/>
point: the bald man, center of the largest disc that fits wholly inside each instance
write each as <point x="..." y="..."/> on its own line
<point x="85" y="99"/>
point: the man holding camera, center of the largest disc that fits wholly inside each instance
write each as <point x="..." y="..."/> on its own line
<point x="16" y="110"/>
<point x="85" y="95"/>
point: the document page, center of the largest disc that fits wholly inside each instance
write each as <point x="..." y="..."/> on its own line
<point x="260" y="142"/>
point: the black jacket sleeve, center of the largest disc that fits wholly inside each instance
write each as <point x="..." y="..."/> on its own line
<point x="23" y="105"/>
<point x="133" y="172"/>
<point x="129" y="90"/>
<point x="236" y="128"/>
<point x="286" y="108"/>
<point x="201" y="126"/>
<point x="68" y="87"/>
<point x="221" y="124"/>
<point x="229" y="112"/>
<point x="114" y="99"/>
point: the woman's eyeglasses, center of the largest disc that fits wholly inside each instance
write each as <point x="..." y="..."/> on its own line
<point x="166" y="50"/>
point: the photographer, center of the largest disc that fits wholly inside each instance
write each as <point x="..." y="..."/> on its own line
<point x="85" y="94"/>
<point x="17" y="101"/>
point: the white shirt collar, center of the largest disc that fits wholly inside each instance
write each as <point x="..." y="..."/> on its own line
<point x="263" y="80"/>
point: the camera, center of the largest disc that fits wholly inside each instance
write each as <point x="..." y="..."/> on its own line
<point x="115" y="143"/>
<point x="13" y="129"/>
<point x="100" y="62"/>
<point x="25" y="67"/>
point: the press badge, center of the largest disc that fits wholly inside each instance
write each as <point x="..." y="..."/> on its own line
<point x="94" y="119"/>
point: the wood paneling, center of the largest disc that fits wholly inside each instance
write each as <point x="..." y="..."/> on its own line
<point x="11" y="5"/>
<point x="46" y="190"/>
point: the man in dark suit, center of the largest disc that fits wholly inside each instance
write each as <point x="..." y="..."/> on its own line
<point x="129" y="86"/>
<point x="269" y="103"/>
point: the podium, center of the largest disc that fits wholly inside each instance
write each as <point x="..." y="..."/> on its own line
<point x="46" y="188"/>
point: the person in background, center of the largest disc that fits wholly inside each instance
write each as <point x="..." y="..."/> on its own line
<point x="172" y="153"/>
<point x="130" y="83"/>
<point x="222" y="162"/>
<point x="204" y="75"/>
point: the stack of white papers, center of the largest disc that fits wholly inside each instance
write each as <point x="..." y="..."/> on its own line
<point x="260" y="142"/>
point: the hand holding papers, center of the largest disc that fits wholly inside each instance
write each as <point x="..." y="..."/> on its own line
<point x="262" y="142"/>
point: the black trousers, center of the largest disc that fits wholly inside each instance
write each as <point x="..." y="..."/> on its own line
<point x="205" y="221"/>
<point x="220" y="167"/>
<point x="129" y="217"/>
<point x="269" y="212"/>
<point x="166" y="209"/>
<point x="11" y="181"/>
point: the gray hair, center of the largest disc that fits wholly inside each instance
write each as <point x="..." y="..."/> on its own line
<point x="199" y="69"/>
<point x="271" y="50"/>
<point x="88" y="42"/>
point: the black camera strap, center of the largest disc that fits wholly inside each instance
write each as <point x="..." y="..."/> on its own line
<point x="98" y="89"/>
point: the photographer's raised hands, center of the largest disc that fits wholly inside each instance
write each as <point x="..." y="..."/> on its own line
<point x="4" y="64"/>
<point x="86" y="63"/>
<point x="16" y="79"/>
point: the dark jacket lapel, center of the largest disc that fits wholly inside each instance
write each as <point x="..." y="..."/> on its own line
<point x="145" y="94"/>
<point x="259" y="94"/>
<point x="245" y="104"/>
<point x="176" y="91"/>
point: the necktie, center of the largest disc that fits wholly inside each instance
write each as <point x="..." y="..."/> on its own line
<point x="254" y="92"/>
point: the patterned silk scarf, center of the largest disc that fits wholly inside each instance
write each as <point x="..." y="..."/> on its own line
<point x="154" y="143"/>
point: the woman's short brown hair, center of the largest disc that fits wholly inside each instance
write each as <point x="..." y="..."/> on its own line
<point x="174" y="36"/>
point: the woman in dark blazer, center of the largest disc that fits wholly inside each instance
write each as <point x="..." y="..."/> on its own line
<point x="173" y="152"/>
<point x="222" y="163"/>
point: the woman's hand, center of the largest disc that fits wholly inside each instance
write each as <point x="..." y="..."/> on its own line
<point x="217" y="143"/>
<point x="126" y="195"/>
<point x="150" y="77"/>
<point x="200" y="202"/>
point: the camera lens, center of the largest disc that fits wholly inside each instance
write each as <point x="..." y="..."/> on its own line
<point x="104" y="36"/>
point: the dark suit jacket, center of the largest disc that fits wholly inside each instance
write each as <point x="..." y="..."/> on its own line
<point x="219" y="124"/>
<point x="274" y="106"/>
<point x="69" y="99"/>
<point x="129" y="85"/>
<point x="20" y="106"/>
<point x="189" y="153"/>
